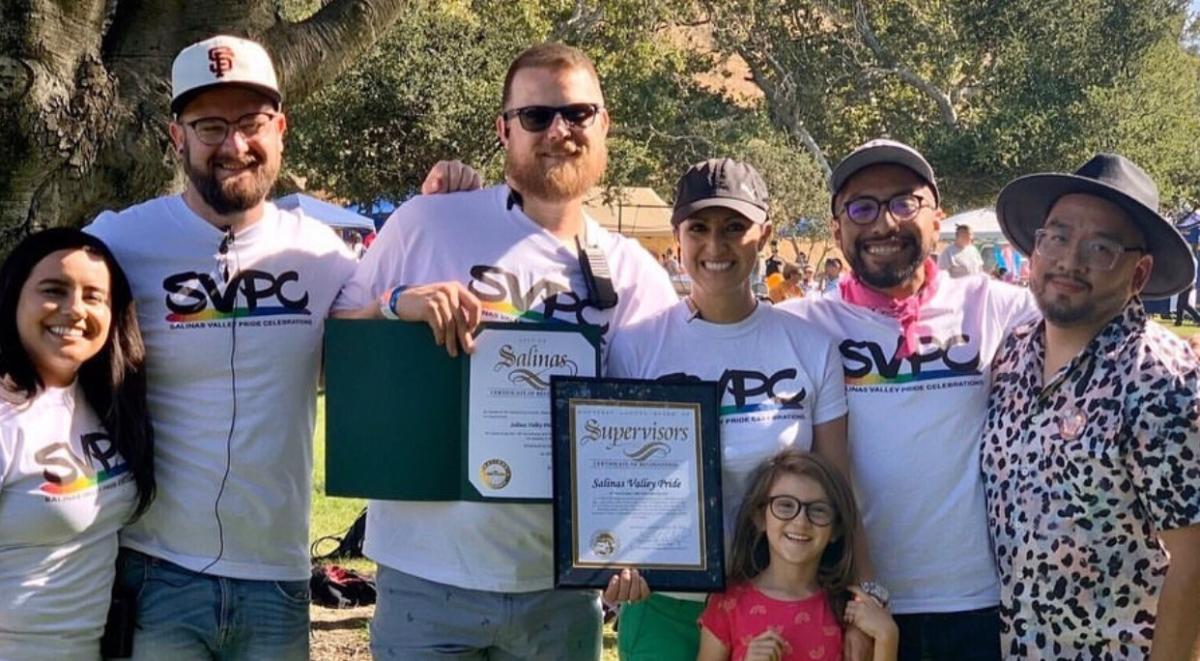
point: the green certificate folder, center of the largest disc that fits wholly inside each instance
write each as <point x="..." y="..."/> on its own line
<point x="396" y="413"/>
<point x="393" y="412"/>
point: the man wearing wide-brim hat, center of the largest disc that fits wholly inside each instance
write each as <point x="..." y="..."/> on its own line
<point x="1091" y="452"/>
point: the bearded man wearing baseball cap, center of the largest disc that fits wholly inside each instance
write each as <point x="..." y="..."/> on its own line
<point x="1091" y="453"/>
<point x="232" y="293"/>
<point x="916" y="347"/>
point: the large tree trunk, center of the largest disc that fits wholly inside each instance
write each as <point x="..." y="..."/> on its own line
<point x="85" y="87"/>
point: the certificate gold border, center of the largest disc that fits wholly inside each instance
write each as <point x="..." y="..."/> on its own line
<point x="699" y="467"/>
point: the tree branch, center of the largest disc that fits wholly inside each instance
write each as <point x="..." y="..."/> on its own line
<point x="315" y="50"/>
<point x="892" y="67"/>
<point x="582" y="21"/>
<point x="784" y="104"/>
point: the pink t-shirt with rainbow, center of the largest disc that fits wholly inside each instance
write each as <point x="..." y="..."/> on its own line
<point x="741" y="613"/>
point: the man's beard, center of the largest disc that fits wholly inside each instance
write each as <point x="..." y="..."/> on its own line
<point x="1062" y="313"/>
<point x="565" y="180"/>
<point x="890" y="275"/>
<point x="231" y="196"/>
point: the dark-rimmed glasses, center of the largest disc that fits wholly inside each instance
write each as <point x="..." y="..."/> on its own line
<point x="212" y="131"/>
<point x="864" y="210"/>
<point x="536" y="119"/>
<point x="786" y="508"/>
<point x="1096" y="253"/>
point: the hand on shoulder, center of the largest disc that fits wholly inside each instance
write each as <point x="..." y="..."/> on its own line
<point x="451" y="177"/>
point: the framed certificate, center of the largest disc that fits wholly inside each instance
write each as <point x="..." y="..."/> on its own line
<point x="637" y="483"/>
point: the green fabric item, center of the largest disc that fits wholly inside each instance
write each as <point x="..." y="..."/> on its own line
<point x="659" y="629"/>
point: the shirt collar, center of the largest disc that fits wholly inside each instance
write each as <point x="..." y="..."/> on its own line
<point x="1126" y="327"/>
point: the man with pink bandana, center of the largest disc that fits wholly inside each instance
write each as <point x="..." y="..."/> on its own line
<point x="916" y="346"/>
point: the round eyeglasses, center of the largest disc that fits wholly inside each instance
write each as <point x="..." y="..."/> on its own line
<point x="864" y="210"/>
<point x="539" y="118"/>
<point x="786" y="508"/>
<point x="212" y="131"/>
<point x="1096" y="253"/>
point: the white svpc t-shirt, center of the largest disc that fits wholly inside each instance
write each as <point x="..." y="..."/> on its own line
<point x="64" y="493"/>
<point x="521" y="272"/>
<point x="778" y="375"/>
<point x="915" y="430"/>
<point x="233" y="332"/>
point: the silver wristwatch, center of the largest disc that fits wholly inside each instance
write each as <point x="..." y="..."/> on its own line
<point x="877" y="592"/>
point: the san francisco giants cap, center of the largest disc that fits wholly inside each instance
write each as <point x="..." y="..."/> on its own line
<point x="222" y="60"/>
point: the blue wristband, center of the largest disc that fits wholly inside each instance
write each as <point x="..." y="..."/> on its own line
<point x="387" y="303"/>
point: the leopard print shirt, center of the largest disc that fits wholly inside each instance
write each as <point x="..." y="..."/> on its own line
<point x="1080" y="474"/>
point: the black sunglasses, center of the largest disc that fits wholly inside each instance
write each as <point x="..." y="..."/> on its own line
<point x="539" y="118"/>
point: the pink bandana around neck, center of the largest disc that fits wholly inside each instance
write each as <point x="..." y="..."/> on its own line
<point x="907" y="311"/>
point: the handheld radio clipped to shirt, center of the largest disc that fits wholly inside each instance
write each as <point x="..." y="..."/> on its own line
<point x="601" y="294"/>
<point x="596" y="276"/>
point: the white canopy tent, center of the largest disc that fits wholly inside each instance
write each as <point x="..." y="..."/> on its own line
<point x="984" y="226"/>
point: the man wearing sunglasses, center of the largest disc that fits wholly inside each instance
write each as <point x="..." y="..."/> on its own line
<point x="1091" y="453"/>
<point x="471" y="579"/>
<point x="916" y="346"/>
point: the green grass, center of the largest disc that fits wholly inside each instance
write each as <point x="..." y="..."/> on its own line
<point x="1181" y="331"/>
<point x="333" y="515"/>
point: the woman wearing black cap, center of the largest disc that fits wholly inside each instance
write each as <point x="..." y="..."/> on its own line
<point x="780" y="378"/>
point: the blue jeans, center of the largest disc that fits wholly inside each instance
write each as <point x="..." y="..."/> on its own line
<point x="182" y="615"/>
<point x="963" y="636"/>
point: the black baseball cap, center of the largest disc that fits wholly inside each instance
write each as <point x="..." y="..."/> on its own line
<point x="721" y="182"/>
<point x="881" y="152"/>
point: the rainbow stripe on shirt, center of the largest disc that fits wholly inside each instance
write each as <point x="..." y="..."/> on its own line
<point x="84" y="482"/>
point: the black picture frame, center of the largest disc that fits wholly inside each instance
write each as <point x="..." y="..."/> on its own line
<point x="567" y="392"/>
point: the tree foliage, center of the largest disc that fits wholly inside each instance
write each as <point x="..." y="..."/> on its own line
<point x="431" y="90"/>
<point x="988" y="90"/>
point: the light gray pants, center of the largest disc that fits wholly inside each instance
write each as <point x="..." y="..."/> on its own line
<point x="416" y="619"/>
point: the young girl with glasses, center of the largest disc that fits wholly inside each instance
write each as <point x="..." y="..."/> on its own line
<point x="75" y="443"/>
<point x="791" y="571"/>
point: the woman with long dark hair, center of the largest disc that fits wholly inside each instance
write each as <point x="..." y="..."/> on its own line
<point x="76" y="448"/>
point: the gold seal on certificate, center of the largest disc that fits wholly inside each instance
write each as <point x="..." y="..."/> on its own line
<point x="508" y="404"/>
<point x="495" y="473"/>
<point x="637" y="482"/>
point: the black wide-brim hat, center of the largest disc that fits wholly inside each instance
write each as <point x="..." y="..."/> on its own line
<point x="1025" y="202"/>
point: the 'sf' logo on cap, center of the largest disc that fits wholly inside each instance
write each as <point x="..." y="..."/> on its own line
<point x="222" y="60"/>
